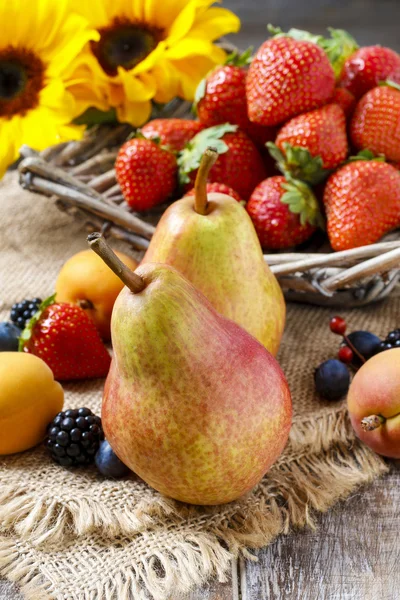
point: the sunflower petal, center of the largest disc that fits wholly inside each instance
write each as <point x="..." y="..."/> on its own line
<point x="137" y="89"/>
<point x="39" y="137"/>
<point x="135" y="113"/>
<point x="185" y="20"/>
<point x="194" y="47"/>
<point x="215" y="23"/>
<point x="10" y="142"/>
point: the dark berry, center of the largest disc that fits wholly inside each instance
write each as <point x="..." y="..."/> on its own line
<point x="84" y="412"/>
<point x="337" y="325"/>
<point x="392" y="340"/>
<point x="108" y="462"/>
<point x="332" y="379"/>
<point x="345" y="354"/>
<point x="22" y="312"/>
<point x="9" y="334"/>
<point x="366" y="343"/>
<point x="69" y="440"/>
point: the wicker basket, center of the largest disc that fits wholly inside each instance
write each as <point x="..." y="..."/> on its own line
<point x="80" y="178"/>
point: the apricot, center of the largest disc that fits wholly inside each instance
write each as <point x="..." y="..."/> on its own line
<point x="374" y="403"/>
<point x="87" y="281"/>
<point x="29" y="400"/>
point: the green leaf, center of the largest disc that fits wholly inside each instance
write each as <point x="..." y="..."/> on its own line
<point x="27" y="332"/>
<point x="240" y="60"/>
<point x="189" y="158"/>
<point x="200" y="91"/>
<point x="300" y="199"/>
<point x="389" y="83"/>
<point x="93" y="116"/>
<point x="297" y="162"/>
<point x="366" y="155"/>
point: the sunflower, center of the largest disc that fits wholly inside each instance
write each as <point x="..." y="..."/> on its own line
<point x="148" y="50"/>
<point x="39" y="39"/>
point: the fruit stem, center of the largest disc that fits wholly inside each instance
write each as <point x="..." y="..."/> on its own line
<point x="99" y="245"/>
<point x="200" y="186"/>
<point x="372" y="422"/>
<point x="348" y="342"/>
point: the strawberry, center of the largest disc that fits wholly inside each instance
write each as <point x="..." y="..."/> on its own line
<point x="221" y="98"/>
<point x="368" y="66"/>
<point x="287" y="77"/>
<point x="218" y="188"/>
<point x="362" y="203"/>
<point x="66" y="338"/>
<point x="284" y="212"/>
<point x="310" y="144"/>
<point x="146" y="173"/>
<point x="376" y="122"/>
<point x="345" y="100"/>
<point x="239" y="165"/>
<point x="172" y="133"/>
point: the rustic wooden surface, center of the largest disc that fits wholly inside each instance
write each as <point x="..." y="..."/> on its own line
<point x="355" y="552"/>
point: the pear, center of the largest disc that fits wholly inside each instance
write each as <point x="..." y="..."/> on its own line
<point x="212" y="241"/>
<point x="193" y="404"/>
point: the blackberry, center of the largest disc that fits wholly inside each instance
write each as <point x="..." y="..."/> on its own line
<point x="392" y="340"/>
<point x="74" y="436"/>
<point x="22" y="312"/>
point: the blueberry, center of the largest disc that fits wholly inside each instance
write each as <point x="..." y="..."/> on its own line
<point x="108" y="462"/>
<point x="366" y="343"/>
<point x="332" y="379"/>
<point x="9" y="335"/>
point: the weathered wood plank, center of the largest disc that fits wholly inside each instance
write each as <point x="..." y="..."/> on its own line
<point x="219" y="591"/>
<point x="353" y="555"/>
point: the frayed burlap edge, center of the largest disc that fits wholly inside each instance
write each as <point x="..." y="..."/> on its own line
<point x="288" y="497"/>
<point x="298" y="475"/>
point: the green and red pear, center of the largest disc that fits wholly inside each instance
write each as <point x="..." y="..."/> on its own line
<point x="195" y="405"/>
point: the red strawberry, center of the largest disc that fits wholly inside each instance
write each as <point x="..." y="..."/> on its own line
<point x="221" y="98"/>
<point x="284" y="212"/>
<point x="173" y="133"/>
<point x="376" y="122"/>
<point x="66" y="338"/>
<point x="362" y="202"/>
<point x="364" y="69"/>
<point x="146" y="173"/>
<point x="219" y="188"/>
<point x="239" y="165"/>
<point x="311" y="143"/>
<point x="287" y="77"/>
<point x="345" y="100"/>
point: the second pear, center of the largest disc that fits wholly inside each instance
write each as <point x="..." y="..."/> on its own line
<point x="211" y="240"/>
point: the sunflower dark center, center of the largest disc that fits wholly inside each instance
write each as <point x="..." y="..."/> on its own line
<point x="125" y="44"/>
<point x="21" y="79"/>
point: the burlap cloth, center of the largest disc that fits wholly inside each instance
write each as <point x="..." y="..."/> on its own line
<point x="74" y="535"/>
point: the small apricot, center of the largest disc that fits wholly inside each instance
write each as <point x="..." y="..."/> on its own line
<point x="86" y="280"/>
<point x="29" y="400"/>
<point x="374" y="403"/>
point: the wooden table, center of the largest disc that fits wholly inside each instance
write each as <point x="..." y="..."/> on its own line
<point x="355" y="552"/>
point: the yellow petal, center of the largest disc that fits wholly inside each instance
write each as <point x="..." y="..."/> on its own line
<point x="215" y="23"/>
<point x="41" y="129"/>
<point x="190" y="47"/>
<point x="184" y="21"/>
<point x="137" y="89"/>
<point x="167" y="77"/>
<point x="135" y="113"/>
<point x="150" y="60"/>
<point x="10" y="142"/>
<point x="96" y="13"/>
<point x="191" y="72"/>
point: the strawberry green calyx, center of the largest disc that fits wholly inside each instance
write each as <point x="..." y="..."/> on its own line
<point x="338" y="47"/>
<point x="240" y="60"/>
<point x="300" y="200"/>
<point x="27" y="332"/>
<point x="390" y="83"/>
<point x="366" y="155"/>
<point x="297" y="162"/>
<point x="190" y="157"/>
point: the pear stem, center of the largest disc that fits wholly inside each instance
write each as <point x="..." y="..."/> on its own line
<point x="372" y="422"/>
<point x="99" y="245"/>
<point x="200" y="186"/>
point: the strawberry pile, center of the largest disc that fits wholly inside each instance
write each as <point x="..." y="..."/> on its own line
<point x="308" y="133"/>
